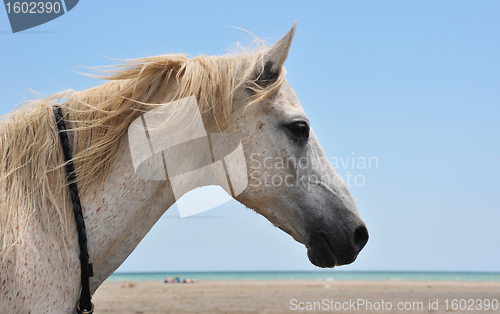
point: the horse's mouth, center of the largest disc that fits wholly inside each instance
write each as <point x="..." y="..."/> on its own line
<point x="320" y="253"/>
<point x="326" y="248"/>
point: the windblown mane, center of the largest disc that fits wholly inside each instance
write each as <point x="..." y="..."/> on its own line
<point x="32" y="180"/>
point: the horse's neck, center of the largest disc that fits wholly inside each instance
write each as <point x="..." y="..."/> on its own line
<point x="118" y="216"/>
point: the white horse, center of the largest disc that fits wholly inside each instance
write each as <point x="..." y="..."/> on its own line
<point x="290" y="180"/>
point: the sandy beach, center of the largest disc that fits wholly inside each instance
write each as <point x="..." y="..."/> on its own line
<point x="297" y="296"/>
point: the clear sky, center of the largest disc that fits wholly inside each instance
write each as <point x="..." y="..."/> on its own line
<point x="413" y="84"/>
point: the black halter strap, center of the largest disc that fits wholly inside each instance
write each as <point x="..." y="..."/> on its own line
<point x="85" y="305"/>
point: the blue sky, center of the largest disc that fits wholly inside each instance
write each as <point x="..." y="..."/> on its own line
<point x="414" y="84"/>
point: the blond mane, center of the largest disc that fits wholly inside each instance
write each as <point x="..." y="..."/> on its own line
<point x="32" y="179"/>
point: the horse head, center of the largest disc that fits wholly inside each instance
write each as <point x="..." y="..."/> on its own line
<point x="290" y="180"/>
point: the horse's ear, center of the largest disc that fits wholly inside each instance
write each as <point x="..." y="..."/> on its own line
<point x="268" y="69"/>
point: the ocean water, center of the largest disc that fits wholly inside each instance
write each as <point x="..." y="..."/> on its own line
<point x="310" y="275"/>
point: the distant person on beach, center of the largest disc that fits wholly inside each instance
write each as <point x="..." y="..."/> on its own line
<point x="178" y="280"/>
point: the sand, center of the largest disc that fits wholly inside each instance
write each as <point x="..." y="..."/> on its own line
<point x="286" y="297"/>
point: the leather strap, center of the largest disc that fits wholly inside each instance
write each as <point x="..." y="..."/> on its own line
<point x="85" y="305"/>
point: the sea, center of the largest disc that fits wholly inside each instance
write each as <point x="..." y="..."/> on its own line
<point x="310" y="275"/>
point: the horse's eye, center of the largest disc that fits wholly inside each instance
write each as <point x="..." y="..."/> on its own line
<point x="299" y="130"/>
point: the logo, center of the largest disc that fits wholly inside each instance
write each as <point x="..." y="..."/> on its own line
<point x="171" y="141"/>
<point x="27" y="14"/>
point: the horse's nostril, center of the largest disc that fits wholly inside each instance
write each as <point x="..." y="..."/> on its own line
<point x="361" y="237"/>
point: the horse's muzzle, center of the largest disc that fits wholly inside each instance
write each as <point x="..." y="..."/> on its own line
<point x="330" y="249"/>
